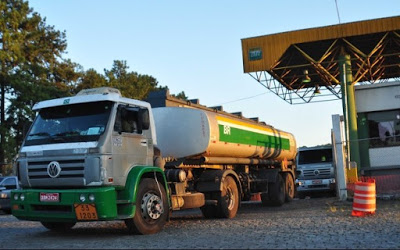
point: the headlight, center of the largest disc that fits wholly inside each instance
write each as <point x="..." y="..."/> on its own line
<point x="82" y="198"/>
<point x="91" y="197"/>
<point x="3" y="196"/>
<point x="16" y="197"/>
<point x="22" y="197"/>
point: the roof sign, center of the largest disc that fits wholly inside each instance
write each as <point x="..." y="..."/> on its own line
<point x="255" y="54"/>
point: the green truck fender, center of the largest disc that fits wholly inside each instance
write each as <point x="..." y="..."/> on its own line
<point x="126" y="196"/>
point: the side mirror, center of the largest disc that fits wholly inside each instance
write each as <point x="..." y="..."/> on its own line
<point x="144" y="119"/>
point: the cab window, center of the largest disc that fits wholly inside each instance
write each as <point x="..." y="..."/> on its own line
<point x="127" y="120"/>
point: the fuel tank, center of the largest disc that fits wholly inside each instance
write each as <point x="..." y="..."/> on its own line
<point x="188" y="133"/>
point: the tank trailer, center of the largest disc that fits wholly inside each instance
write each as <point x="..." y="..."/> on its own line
<point x="98" y="156"/>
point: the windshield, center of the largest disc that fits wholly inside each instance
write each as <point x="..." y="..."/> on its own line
<point x="315" y="156"/>
<point x="70" y="123"/>
<point x="1" y="179"/>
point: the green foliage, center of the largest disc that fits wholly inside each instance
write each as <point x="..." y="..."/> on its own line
<point x="181" y="96"/>
<point x="31" y="69"/>
<point x="91" y="79"/>
<point x="131" y="84"/>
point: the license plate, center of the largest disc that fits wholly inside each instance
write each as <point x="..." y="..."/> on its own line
<point x="317" y="182"/>
<point x="50" y="197"/>
<point x="85" y="211"/>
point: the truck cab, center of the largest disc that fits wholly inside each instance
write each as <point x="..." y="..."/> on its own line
<point x="85" y="158"/>
<point x="315" y="170"/>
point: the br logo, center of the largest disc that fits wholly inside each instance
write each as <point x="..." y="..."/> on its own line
<point x="227" y="130"/>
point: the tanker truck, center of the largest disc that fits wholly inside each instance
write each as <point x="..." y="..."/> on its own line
<point x="98" y="156"/>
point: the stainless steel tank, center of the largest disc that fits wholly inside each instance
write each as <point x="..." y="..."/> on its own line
<point x="187" y="132"/>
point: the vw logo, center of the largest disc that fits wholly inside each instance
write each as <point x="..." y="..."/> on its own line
<point x="316" y="172"/>
<point x="53" y="169"/>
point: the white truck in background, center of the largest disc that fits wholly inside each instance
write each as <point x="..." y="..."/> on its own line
<point x="315" y="170"/>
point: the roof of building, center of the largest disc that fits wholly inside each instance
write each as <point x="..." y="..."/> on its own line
<point x="288" y="57"/>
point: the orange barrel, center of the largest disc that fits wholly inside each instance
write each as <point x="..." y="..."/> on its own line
<point x="364" y="201"/>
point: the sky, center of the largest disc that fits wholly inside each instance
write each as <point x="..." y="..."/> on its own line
<point x="195" y="47"/>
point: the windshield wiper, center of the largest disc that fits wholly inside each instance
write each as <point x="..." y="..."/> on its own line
<point x="40" y="134"/>
<point x="68" y="133"/>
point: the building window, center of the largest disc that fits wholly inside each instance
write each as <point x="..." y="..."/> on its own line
<point x="384" y="128"/>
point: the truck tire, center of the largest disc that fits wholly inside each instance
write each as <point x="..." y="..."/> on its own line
<point x="151" y="208"/>
<point x="228" y="202"/>
<point x="58" y="226"/>
<point x="276" y="193"/>
<point x="289" y="187"/>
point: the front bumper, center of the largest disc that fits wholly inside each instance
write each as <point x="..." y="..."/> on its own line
<point x="315" y="185"/>
<point x="31" y="208"/>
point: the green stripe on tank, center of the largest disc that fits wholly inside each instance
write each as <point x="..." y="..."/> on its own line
<point x="236" y="135"/>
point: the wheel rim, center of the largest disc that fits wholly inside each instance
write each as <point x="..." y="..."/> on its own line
<point x="151" y="206"/>
<point x="230" y="198"/>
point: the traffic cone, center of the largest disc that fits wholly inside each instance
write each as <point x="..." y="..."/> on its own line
<point x="364" y="200"/>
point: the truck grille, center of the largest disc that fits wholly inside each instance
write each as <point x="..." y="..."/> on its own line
<point x="69" y="169"/>
<point x="320" y="172"/>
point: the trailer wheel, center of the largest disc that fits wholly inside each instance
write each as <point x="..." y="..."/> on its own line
<point x="276" y="193"/>
<point x="58" y="226"/>
<point x="289" y="187"/>
<point x="228" y="203"/>
<point x="151" y="208"/>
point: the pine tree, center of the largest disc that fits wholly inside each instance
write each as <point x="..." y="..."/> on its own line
<point x="31" y="69"/>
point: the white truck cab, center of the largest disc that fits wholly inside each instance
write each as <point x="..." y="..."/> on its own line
<point x="315" y="170"/>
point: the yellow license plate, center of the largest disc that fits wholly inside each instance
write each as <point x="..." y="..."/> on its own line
<point x="85" y="211"/>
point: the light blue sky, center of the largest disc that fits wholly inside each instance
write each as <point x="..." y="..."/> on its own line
<point x="195" y="46"/>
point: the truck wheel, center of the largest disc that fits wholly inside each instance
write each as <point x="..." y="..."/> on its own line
<point x="276" y="193"/>
<point x="151" y="208"/>
<point x="58" y="226"/>
<point x="228" y="202"/>
<point x="289" y="187"/>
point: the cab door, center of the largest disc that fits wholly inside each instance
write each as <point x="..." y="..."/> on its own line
<point x="131" y="143"/>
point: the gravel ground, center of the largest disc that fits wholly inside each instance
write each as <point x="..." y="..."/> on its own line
<point x="309" y="223"/>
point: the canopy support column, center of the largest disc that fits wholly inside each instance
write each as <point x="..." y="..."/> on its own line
<point x="349" y="109"/>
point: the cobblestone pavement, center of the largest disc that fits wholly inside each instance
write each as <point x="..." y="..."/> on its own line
<point x="309" y="223"/>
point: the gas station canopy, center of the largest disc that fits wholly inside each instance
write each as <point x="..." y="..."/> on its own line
<point x="302" y="66"/>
